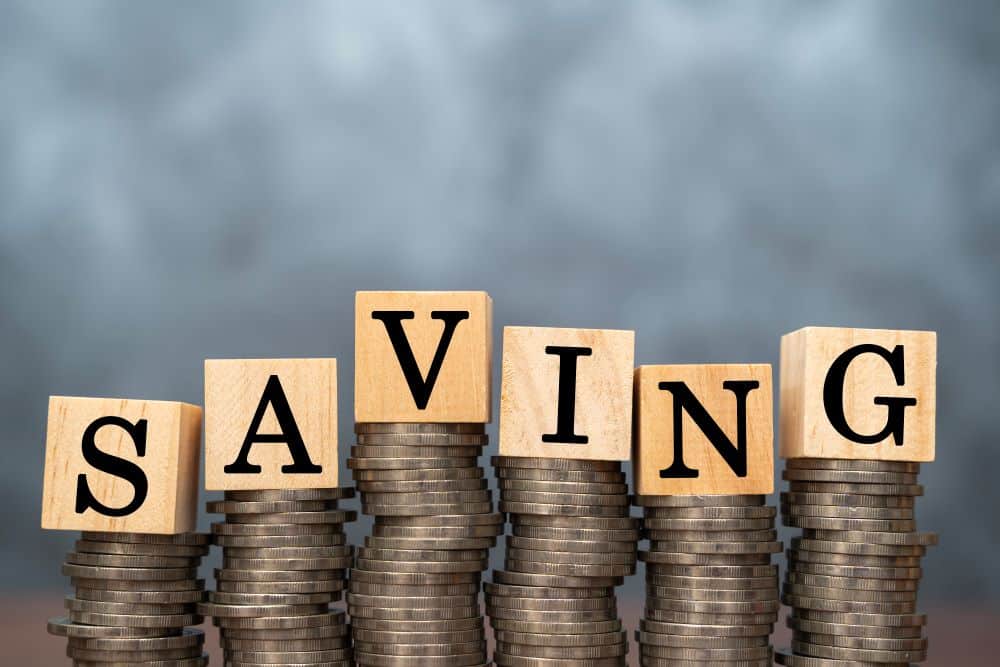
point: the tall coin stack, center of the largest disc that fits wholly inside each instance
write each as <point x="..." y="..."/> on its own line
<point x="285" y="559"/>
<point x="135" y="595"/>
<point x="711" y="590"/>
<point x="853" y="574"/>
<point x="414" y="589"/>
<point x="572" y="541"/>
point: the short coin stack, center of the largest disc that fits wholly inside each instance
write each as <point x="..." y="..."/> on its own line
<point x="414" y="589"/>
<point x="572" y="541"/>
<point x="135" y="595"/>
<point x="853" y="575"/>
<point x="285" y="559"/>
<point x="711" y="590"/>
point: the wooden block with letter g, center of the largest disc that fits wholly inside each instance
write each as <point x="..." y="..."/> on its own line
<point x="423" y="357"/>
<point x="704" y="429"/>
<point x="270" y="424"/>
<point x="567" y="393"/>
<point x="858" y="394"/>
<point x="121" y="465"/>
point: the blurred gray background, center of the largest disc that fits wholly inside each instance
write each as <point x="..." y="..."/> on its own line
<point x="186" y="180"/>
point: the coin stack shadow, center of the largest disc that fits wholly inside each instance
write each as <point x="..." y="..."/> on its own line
<point x="572" y="541"/>
<point x="853" y="575"/>
<point x="284" y="560"/>
<point x="711" y="590"/>
<point x="135" y="595"/>
<point x="414" y="590"/>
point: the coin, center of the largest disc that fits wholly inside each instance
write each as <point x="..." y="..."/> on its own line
<point x="591" y="488"/>
<point x="552" y="498"/>
<point x="846" y="500"/>
<point x="740" y="512"/>
<point x="848" y="476"/>
<point x="427" y="498"/>
<point x="420" y="464"/>
<point x="274" y="495"/>
<point x="582" y="546"/>
<point x="534" y="463"/>
<point x="374" y="451"/>
<point x="588" y="476"/>
<point x="191" y="539"/>
<point x="562" y="510"/>
<point x="420" y="486"/>
<point x="414" y="428"/>
<point x="140" y="549"/>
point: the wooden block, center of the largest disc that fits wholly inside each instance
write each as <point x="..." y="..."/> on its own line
<point x="704" y="429"/>
<point x="121" y="465"/>
<point x="423" y="357"/>
<point x="858" y="394"/>
<point x="567" y="393"/>
<point x="270" y="424"/>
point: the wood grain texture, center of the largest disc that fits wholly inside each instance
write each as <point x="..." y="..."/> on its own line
<point x="234" y="389"/>
<point x="462" y="391"/>
<point x="806" y="425"/>
<point x="655" y="429"/>
<point x="529" y="395"/>
<point x="170" y="464"/>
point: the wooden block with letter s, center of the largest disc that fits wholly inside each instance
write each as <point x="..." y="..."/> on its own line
<point x="270" y="424"/>
<point x="704" y="429"/>
<point x="858" y="394"/>
<point x="567" y="393"/>
<point x="121" y="465"/>
<point x="423" y="357"/>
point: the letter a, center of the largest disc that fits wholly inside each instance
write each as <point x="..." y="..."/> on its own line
<point x="274" y="396"/>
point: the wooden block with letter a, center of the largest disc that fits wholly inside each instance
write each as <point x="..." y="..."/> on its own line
<point x="270" y="424"/>
<point x="858" y="394"/>
<point x="121" y="465"/>
<point x="704" y="430"/>
<point x="423" y="357"/>
<point x="567" y="393"/>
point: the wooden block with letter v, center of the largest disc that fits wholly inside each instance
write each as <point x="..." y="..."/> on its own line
<point x="567" y="393"/>
<point x="423" y="357"/>
<point x="704" y="429"/>
<point x="121" y="465"/>
<point x="270" y="424"/>
<point x="858" y="394"/>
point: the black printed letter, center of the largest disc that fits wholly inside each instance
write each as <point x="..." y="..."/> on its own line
<point x="566" y="415"/>
<point x="420" y="388"/>
<point x="113" y="465"/>
<point x="274" y="396"/>
<point x="833" y="395"/>
<point x="734" y="456"/>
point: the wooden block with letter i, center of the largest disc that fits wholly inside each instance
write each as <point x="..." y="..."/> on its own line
<point x="704" y="429"/>
<point x="567" y="393"/>
<point x="270" y="424"/>
<point x="121" y="465"/>
<point x="858" y="394"/>
<point x="423" y="357"/>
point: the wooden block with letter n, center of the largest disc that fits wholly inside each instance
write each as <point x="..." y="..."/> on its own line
<point x="704" y="429"/>
<point x="121" y="465"/>
<point x="858" y="394"/>
<point x="270" y="424"/>
<point x="567" y="393"/>
<point x="423" y="357"/>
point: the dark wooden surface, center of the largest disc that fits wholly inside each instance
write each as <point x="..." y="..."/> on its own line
<point x="959" y="637"/>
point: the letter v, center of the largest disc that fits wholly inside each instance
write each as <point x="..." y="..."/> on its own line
<point x="420" y="387"/>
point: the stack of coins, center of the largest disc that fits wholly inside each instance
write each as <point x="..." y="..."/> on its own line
<point x="572" y="541"/>
<point x="285" y="559"/>
<point x="853" y="574"/>
<point x="414" y="589"/>
<point x="135" y="593"/>
<point x="711" y="590"/>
